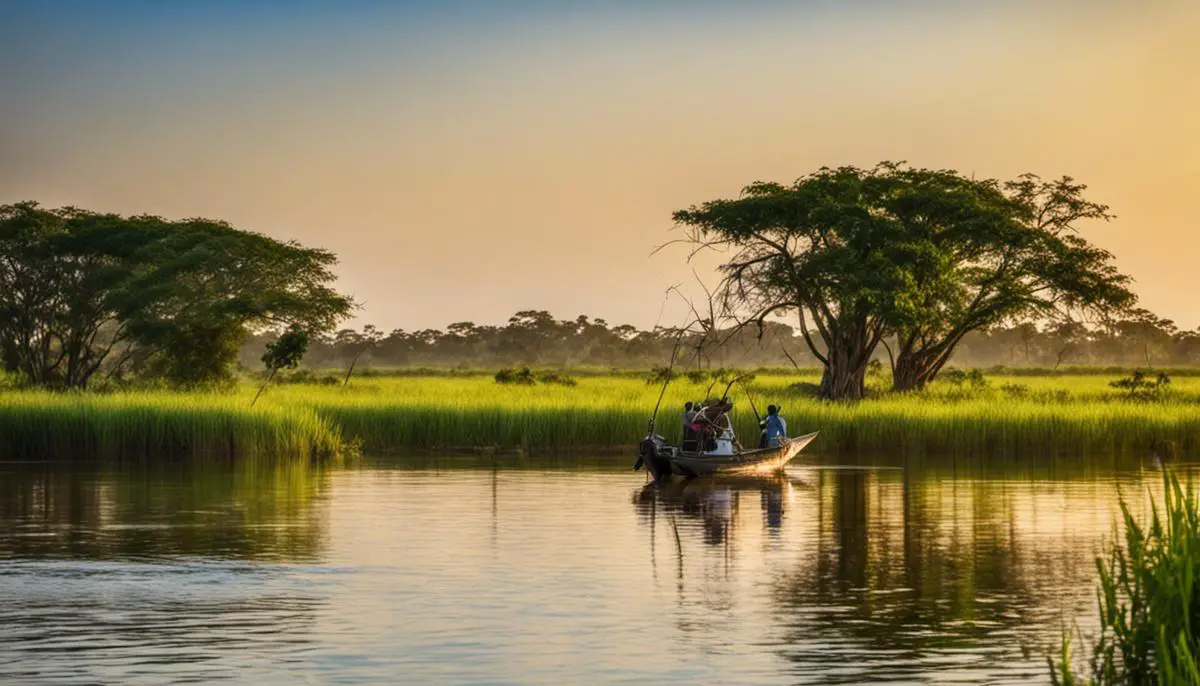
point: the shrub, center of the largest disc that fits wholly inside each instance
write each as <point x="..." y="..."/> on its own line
<point x="558" y="379"/>
<point x="963" y="385"/>
<point x="519" y="377"/>
<point x="308" y="376"/>
<point x="1015" y="390"/>
<point x="658" y="376"/>
<point x="525" y="377"/>
<point x="805" y="388"/>
<point x="1139" y="385"/>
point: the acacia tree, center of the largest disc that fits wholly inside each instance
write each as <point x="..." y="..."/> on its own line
<point x="822" y="248"/>
<point x="985" y="253"/>
<point x="76" y="285"/>
<point x="62" y="273"/>
<point x="925" y="255"/>
<point x="204" y="285"/>
<point x="30" y="301"/>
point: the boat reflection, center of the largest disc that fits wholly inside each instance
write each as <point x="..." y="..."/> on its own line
<point x="908" y="565"/>
<point x="716" y="502"/>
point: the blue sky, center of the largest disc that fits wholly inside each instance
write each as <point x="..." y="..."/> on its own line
<point x="496" y="156"/>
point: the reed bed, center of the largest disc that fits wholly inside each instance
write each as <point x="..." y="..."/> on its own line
<point x="1066" y="415"/>
<point x="38" y="425"/>
<point x="1075" y="415"/>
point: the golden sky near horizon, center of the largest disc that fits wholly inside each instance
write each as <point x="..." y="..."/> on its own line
<point x="467" y="167"/>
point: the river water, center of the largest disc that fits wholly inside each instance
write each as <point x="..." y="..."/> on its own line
<point x="439" y="571"/>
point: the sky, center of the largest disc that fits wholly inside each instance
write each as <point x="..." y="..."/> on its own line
<point x="466" y="160"/>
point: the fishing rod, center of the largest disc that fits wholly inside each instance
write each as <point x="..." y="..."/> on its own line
<point x="749" y="397"/>
<point x="667" y="380"/>
<point x="729" y="385"/>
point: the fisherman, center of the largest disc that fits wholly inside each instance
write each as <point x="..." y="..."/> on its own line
<point x="773" y="427"/>
<point x="690" y="410"/>
<point x="712" y="423"/>
<point x="723" y="409"/>
<point x="702" y="426"/>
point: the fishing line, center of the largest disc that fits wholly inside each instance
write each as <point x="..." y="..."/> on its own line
<point x="663" y="308"/>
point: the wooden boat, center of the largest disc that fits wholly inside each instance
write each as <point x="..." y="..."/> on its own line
<point x="663" y="460"/>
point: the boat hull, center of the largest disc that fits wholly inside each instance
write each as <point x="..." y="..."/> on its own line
<point x="664" y="461"/>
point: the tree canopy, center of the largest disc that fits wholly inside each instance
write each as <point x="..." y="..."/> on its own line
<point x="81" y="291"/>
<point x="926" y="256"/>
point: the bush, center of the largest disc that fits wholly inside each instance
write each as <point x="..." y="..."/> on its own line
<point x="525" y="377"/>
<point x="805" y="388"/>
<point x="518" y="377"/>
<point x="558" y="379"/>
<point x="1015" y="390"/>
<point x="310" y="377"/>
<point x="1139" y="385"/>
<point x="963" y="380"/>
<point x="658" y="376"/>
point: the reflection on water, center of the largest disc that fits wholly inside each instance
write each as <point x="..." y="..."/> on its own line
<point x="137" y="573"/>
<point x="90" y="512"/>
<point x="389" y="573"/>
<point x="902" y="577"/>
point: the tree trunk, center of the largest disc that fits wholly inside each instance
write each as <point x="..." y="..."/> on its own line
<point x="845" y="375"/>
<point x="915" y="369"/>
<point x="917" y="365"/>
<point x="912" y="372"/>
<point x="350" y="371"/>
<point x="10" y="357"/>
<point x="264" y="386"/>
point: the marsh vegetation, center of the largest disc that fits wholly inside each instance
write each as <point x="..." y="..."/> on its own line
<point x="1147" y="599"/>
<point x="961" y="413"/>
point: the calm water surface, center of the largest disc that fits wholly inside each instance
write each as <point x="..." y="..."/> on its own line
<point x="420" y="572"/>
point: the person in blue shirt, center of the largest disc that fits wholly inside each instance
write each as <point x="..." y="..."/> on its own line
<point x="773" y="426"/>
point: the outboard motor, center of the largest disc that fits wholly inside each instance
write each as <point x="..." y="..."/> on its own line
<point x="650" y="454"/>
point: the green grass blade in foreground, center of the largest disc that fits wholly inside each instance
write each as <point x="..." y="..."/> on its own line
<point x="1147" y="598"/>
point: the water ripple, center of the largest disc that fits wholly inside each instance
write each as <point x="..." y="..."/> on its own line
<point x="387" y="575"/>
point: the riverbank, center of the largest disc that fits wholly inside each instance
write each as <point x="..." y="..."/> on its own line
<point x="1076" y="414"/>
<point x="1079" y="414"/>
<point x="42" y="425"/>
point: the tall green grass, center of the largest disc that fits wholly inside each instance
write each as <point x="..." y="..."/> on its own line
<point x="1149" y="600"/>
<point x="35" y="424"/>
<point x="1035" y="416"/>
<point x="1067" y="415"/>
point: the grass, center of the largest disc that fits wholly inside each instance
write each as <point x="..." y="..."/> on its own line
<point x="1078" y="414"/>
<point x="1149" y="600"/>
<point x="35" y="424"/>
<point x="1063" y="414"/>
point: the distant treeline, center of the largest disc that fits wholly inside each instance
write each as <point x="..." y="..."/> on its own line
<point x="535" y="338"/>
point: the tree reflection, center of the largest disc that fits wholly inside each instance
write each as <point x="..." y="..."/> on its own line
<point x="908" y="565"/>
<point x="912" y="567"/>
<point x="244" y="511"/>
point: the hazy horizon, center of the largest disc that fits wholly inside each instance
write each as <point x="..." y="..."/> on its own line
<point x="466" y="161"/>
